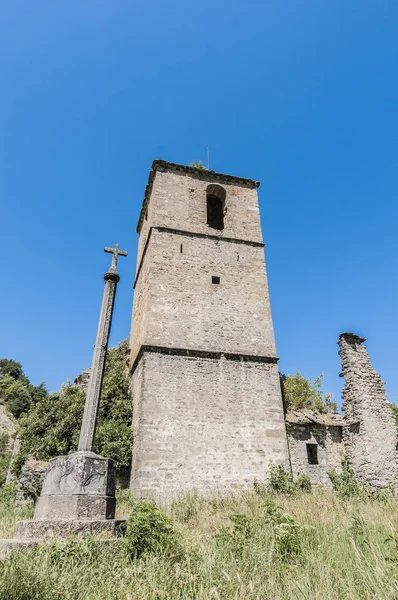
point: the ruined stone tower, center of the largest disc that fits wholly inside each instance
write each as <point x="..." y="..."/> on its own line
<point x="208" y="411"/>
<point x="370" y="435"/>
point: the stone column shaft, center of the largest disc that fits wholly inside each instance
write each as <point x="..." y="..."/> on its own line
<point x="90" y="416"/>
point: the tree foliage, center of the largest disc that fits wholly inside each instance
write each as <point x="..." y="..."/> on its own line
<point x="301" y="393"/>
<point x="52" y="425"/>
<point x="16" y="391"/>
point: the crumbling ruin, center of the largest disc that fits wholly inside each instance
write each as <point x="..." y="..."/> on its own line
<point x="370" y="434"/>
<point x="315" y="444"/>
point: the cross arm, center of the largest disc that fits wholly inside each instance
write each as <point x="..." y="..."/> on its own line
<point x="113" y="250"/>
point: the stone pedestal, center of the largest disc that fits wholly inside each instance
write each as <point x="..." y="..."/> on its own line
<point x="78" y="497"/>
<point x="78" y="486"/>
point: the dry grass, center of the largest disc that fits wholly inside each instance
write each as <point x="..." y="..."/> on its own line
<point x="9" y="516"/>
<point x="315" y="546"/>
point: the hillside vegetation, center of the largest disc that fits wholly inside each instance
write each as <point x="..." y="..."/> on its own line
<point x="275" y="542"/>
<point x="49" y="424"/>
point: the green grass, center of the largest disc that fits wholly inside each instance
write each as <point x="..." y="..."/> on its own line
<point x="258" y="545"/>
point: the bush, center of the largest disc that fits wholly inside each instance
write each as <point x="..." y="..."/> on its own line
<point x="345" y="483"/>
<point x="303" y="483"/>
<point x="5" y="456"/>
<point x="245" y="531"/>
<point x="150" y="531"/>
<point x="280" y="480"/>
<point x="394" y="408"/>
<point x="236" y="537"/>
<point x="300" y="393"/>
<point x="287" y="533"/>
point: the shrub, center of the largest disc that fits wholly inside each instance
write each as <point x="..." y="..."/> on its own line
<point x="5" y="456"/>
<point x="300" y="393"/>
<point x="345" y="483"/>
<point x="150" y="531"/>
<point x="287" y="533"/>
<point x="198" y="165"/>
<point x="260" y="487"/>
<point x="4" y="442"/>
<point x="280" y="480"/>
<point x="236" y="537"/>
<point x="303" y="482"/>
<point x="394" y="408"/>
<point x="246" y="531"/>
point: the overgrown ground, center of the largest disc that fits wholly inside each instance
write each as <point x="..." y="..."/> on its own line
<point x="259" y="545"/>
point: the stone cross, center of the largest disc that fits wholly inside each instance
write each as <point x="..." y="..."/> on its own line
<point x="90" y="416"/>
<point x="116" y="252"/>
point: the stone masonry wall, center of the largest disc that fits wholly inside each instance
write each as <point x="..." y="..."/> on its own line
<point x="330" y="450"/>
<point x="178" y="201"/>
<point x="176" y="304"/>
<point x="370" y="434"/>
<point x="210" y="425"/>
<point x="31" y="480"/>
<point x="208" y="412"/>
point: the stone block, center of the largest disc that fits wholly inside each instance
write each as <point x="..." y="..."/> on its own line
<point x="78" y="486"/>
<point x="43" y="529"/>
<point x="75" y="506"/>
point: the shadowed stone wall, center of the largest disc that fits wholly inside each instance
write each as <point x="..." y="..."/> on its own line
<point x="322" y="431"/>
<point x="369" y="433"/>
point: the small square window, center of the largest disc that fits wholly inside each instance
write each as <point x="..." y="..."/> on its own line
<point x="312" y="454"/>
<point x="215" y="280"/>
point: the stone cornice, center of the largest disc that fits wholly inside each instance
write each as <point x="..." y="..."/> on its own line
<point x="192" y="353"/>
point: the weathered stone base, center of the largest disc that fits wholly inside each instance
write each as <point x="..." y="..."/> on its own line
<point x="42" y="529"/>
<point x="80" y="506"/>
<point x="33" y="533"/>
<point x="77" y="487"/>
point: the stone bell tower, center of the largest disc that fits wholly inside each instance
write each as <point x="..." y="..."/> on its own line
<point x="208" y="412"/>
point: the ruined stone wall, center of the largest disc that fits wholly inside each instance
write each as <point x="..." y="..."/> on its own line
<point x="330" y="450"/>
<point x="370" y="434"/>
<point x="31" y="481"/>
<point x="204" y="424"/>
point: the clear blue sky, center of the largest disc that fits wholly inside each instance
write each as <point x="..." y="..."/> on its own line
<point x="299" y="95"/>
